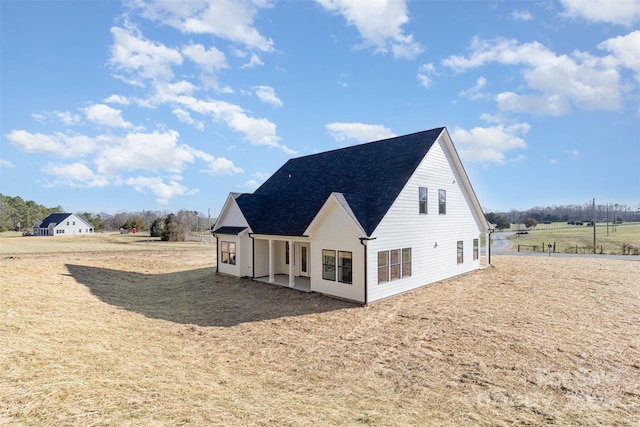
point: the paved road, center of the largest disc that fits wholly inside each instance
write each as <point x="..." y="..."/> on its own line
<point x="500" y="245"/>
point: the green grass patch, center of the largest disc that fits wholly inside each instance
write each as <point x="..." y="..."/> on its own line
<point x="625" y="240"/>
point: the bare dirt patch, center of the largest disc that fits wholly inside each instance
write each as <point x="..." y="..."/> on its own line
<point x="154" y="337"/>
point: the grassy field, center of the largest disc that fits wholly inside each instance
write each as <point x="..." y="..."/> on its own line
<point x="112" y="330"/>
<point x="626" y="237"/>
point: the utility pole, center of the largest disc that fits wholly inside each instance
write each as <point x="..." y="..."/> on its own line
<point x="594" y="225"/>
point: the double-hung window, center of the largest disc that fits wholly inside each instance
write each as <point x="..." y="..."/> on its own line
<point x="442" y="202"/>
<point x="394" y="264"/>
<point x="344" y="267"/>
<point x="228" y="252"/>
<point x="328" y="264"/>
<point x="475" y="249"/>
<point x="422" y="200"/>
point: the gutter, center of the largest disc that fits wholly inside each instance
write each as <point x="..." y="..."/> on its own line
<point x="363" y="241"/>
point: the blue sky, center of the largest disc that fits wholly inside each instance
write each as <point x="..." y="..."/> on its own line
<point x="156" y="105"/>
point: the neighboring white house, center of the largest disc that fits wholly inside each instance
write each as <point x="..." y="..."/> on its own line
<point x="62" y="224"/>
<point x="362" y="223"/>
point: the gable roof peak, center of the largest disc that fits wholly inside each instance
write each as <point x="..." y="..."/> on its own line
<point x="370" y="176"/>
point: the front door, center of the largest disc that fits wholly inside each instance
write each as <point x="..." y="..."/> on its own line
<point x="304" y="260"/>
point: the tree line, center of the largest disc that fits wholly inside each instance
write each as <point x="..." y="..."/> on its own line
<point x="17" y="214"/>
<point x="571" y="214"/>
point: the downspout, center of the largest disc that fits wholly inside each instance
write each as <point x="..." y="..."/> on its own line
<point x="363" y="241"/>
<point x="217" y="255"/>
<point x="491" y="230"/>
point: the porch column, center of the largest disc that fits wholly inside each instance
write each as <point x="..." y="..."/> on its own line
<point x="271" y="274"/>
<point x="291" y="252"/>
<point x="487" y="249"/>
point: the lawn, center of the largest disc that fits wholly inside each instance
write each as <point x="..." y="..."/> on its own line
<point x="625" y="238"/>
<point x="128" y="333"/>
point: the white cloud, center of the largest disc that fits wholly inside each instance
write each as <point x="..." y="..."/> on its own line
<point x="625" y="51"/>
<point x="553" y="105"/>
<point x="102" y="114"/>
<point x="228" y="19"/>
<point x="33" y="142"/>
<point x="159" y="188"/>
<point x="490" y="144"/>
<point x="75" y="175"/>
<point x="254" y="61"/>
<point x="521" y="15"/>
<point x="6" y="164"/>
<point x="67" y="117"/>
<point x="218" y="165"/>
<point x="140" y="58"/>
<point x="622" y="12"/>
<point x="474" y="92"/>
<point x="574" y="154"/>
<point x="58" y="143"/>
<point x="117" y="99"/>
<point x="582" y="80"/>
<point x="252" y="183"/>
<point x="257" y="131"/>
<point x="210" y="60"/>
<point x="185" y="117"/>
<point x="360" y="132"/>
<point x="379" y="24"/>
<point x="424" y="74"/>
<point x="144" y="151"/>
<point x="267" y="95"/>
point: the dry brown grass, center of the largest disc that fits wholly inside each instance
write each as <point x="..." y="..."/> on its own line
<point x="92" y="338"/>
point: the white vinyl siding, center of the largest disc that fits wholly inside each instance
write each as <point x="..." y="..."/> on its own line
<point x="432" y="238"/>
<point x="335" y="230"/>
<point x="231" y="216"/>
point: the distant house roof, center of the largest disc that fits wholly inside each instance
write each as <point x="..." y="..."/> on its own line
<point x="58" y="218"/>
<point x="369" y="176"/>
<point x="55" y="218"/>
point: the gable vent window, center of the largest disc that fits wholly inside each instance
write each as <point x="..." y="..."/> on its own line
<point x="422" y="200"/>
<point x="228" y="253"/>
<point x="442" y="202"/>
<point x="394" y="264"/>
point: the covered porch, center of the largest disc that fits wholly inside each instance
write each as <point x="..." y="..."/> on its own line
<point x="283" y="261"/>
<point x="300" y="283"/>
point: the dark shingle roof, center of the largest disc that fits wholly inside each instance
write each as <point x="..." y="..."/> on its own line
<point x="234" y="231"/>
<point x="369" y="175"/>
<point x="55" y="218"/>
<point x="58" y="218"/>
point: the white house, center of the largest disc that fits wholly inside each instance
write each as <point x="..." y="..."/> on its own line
<point x="62" y="224"/>
<point x="361" y="223"/>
